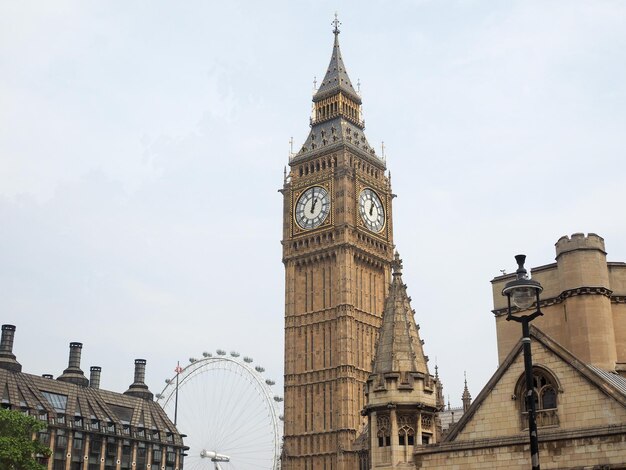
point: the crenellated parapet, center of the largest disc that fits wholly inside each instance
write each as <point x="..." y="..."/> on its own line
<point x="582" y="303"/>
<point x="579" y="241"/>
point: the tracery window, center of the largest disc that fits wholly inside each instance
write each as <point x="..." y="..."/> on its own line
<point x="384" y="431"/>
<point x="406" y="430"/>
<point x="545" y="389"/>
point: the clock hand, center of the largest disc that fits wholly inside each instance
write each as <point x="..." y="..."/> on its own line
<point x="371" y="207"/>
<point x="314" y="202"/>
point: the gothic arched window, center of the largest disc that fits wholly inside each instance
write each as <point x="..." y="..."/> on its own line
<point x="545" y="388"/>
<point x="384" y="431"/>
<point x="406" y="430"/>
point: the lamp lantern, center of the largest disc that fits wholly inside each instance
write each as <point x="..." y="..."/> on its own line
<point x="523" y="292"/>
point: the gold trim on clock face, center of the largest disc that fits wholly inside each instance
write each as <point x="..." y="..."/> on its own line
<point x="371" y="210"/>
<point x="312" y="208"/>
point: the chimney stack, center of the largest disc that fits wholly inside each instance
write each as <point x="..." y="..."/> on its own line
<point x="138" y="388"/>
<point x="7" y="358"/>
<point x="94" y="376"/>
<point x="73" y="373"/>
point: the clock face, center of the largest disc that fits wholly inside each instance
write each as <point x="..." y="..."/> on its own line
<point x="312" y="208"/>
<point x="371" y="210"/>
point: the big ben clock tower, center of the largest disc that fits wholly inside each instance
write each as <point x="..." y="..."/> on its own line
<point x="337" y="252"/>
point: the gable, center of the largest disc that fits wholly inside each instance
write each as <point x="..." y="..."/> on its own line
<point x="584" y="400"/>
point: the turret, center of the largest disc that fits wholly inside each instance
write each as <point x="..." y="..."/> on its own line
<point x="402" y="396"/>
<point x="580" y="303"/>
<point x="585" y="289"/>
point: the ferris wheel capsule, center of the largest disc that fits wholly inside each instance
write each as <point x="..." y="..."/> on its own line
<point x="259" y="369"/>
<point x="221" y="352"/>
<point x="247" y="359"/>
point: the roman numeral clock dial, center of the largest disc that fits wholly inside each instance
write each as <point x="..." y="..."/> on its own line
<point x="312" y="208"/>
<point x="371" y="210"/>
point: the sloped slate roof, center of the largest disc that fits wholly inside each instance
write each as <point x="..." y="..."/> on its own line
<point x="615" y="380"/>
<point x="609" y="383"/>
<point x="42" y="395"/>
<point x="338" y="132"/>
<point x="336" y="78"/>
<point x="399" y="346"/>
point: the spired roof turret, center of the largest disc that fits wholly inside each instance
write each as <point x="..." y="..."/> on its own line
<point x="399" y="347"/>
<point x="337" y="116"/>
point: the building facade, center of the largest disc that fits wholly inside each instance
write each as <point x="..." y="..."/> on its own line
<point x="580" y="395"/>
<point x="337" y="252"/>
<point x="358" y="392"/>
<point x="89" y="428"/>
<point x="583" y="301"/>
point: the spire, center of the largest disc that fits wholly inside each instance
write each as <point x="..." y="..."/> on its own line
<point x="337" y="117"/>
<point x="399" y="346"/>
<point x="336" y="78"/>
<point x="440" y="400"/>
<point x="467" y="398"/>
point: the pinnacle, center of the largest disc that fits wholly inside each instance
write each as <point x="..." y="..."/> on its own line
<point x="399" y="346"/>
<point x="336" y="78"/>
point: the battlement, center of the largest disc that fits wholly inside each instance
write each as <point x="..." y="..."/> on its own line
<point x="578" y="241"/>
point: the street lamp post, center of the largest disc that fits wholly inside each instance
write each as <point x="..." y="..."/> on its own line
<point x="523" y="292"/>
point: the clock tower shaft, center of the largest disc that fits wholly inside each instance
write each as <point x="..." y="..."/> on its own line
<point x="337" y="274"/>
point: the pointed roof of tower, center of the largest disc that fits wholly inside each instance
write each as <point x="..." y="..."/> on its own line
<point x="337" y="118"/>
<point x="466" y="393"/>
<point x="466" y="398"/>
<point x="399" y="346"/>
<point x="336" y="78"/>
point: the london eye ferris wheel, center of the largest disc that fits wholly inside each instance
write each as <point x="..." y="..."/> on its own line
<point x="228" y="411"/>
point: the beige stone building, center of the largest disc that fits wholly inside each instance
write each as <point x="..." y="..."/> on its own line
<point x="580" y="395"/>
<point x="583" y="301"/>
<point x="358" y="391"/>
<point x="337" y="252"/>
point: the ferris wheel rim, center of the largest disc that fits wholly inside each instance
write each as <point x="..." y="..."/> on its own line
<point x="247" y="372"/>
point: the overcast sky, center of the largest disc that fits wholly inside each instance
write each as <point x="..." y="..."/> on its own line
<point x="142" y="145"/>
